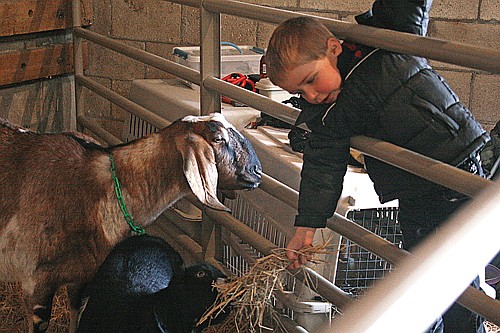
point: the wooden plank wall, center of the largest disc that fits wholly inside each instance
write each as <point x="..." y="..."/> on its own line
<point x="28" y="16"/>
<point x="28" y="19"/>
<point x="41" y="62"/>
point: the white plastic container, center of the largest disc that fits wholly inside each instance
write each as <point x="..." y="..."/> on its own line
<point x="233" y="61"/>
<point x="268" y="89"/>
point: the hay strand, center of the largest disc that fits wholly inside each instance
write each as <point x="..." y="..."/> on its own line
<point x="251" y="295"/>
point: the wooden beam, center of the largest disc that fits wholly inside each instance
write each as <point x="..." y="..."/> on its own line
<point x="29" y="64"/>
<point x="29" y="16"/>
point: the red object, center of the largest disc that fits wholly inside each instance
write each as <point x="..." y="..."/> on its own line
<point x="240" y="80"/>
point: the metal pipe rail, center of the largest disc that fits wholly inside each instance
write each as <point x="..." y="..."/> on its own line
<point x="279" y="110"/>
<point x="98" y="130"/>
<point x="123" y="102"/>
<point x="140" y="55"/>
<point x="432" y="48"/>
<point x="423" y="166"/>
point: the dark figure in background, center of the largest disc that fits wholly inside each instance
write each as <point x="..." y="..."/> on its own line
<point x="348" y="89"/>
<point x="142" y="286"/>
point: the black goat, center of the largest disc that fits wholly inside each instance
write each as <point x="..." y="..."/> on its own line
<point x="142" y="286"/>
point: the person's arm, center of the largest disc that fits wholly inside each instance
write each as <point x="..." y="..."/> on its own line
<point x="325" y="164"/>
<point x="410" y="16"/>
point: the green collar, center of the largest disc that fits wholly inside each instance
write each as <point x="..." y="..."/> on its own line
<point x="116" y="183"/>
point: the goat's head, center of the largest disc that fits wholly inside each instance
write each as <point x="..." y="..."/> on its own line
<point x="217" y="155"/>
<point x="180" y="306"/>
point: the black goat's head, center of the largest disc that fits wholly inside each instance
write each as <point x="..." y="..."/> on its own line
<point x="217" y="155"/>
<point x="179" y="307"/>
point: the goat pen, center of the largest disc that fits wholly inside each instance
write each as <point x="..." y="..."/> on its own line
<point x="211" y="88"/>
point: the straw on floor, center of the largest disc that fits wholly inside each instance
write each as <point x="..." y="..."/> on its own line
<point x="14" y="312"/>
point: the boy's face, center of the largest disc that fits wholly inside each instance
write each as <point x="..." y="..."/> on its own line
<point x="318" y="81"/>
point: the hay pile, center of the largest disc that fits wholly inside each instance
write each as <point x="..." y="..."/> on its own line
<point x="14" y="312"/>
<point x="251" y="295"/>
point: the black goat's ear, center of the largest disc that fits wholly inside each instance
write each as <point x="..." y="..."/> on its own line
<point x="200" y="169"/>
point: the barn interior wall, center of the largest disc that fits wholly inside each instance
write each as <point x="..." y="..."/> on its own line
<point x="36" y="65"/>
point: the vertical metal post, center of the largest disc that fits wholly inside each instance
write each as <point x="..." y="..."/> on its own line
<point x="78" y="66"/>
<point x="211" y="238"/>
<point x="209" y="102"/>
<point x="210" y="58"/>
<point x="219" y="245"/>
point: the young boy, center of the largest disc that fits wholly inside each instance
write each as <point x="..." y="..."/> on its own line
<point x="380" y="94"/>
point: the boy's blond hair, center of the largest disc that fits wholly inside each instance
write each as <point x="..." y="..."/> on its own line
<point x="295" y="42"/>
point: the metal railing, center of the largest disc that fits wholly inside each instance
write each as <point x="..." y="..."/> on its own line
<point x="441" y="173"/>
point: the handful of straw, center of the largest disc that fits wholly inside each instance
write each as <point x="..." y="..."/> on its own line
<point x="250" y="296"/>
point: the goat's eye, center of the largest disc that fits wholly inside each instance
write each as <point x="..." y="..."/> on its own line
<point x="219" y="139"/>
<point x="201" y="274"/>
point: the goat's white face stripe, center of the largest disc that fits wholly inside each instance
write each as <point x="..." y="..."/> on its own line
<point x="216" y="117"/>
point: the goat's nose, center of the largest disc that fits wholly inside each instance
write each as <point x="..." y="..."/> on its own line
<point x="256" y="170"/>
<point x="221" y="281"/>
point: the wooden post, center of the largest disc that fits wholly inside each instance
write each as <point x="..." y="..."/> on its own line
<point x="78" y="65"/>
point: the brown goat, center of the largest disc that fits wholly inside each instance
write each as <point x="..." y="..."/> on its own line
<point x="59" y="214"/>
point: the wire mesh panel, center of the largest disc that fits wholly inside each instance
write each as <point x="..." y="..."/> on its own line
<point x="136" y="127"/>
<point x="273" y="221"/>
<point x="358" y="268"/>
<point x="238" y="254"/>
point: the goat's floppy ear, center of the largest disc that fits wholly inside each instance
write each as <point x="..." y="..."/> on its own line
<point x="200" y="169"/>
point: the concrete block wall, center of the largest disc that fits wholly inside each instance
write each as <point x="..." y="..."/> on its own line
<point x="158" y="26"/>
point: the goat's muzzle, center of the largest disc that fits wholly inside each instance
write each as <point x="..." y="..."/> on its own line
<point x="252" y="176"/>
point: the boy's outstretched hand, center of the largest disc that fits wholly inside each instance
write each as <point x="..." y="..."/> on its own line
<point x="303" y="238"/>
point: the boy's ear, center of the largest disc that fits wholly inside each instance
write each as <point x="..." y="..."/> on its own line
<point x="333" y="46"/>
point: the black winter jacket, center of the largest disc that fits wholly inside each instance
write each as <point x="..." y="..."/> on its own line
<point x="388" y="96"/>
